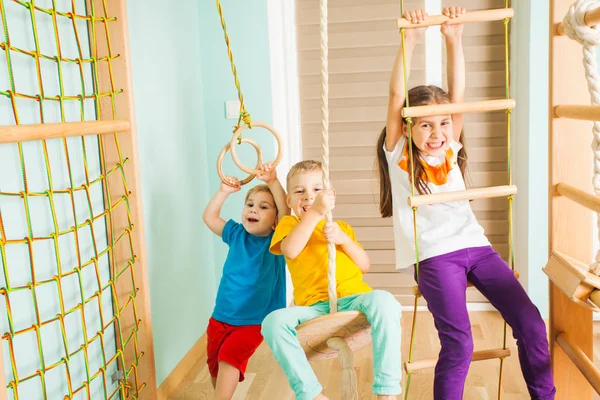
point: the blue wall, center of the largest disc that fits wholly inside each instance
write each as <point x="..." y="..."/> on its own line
<point x="529" y="49"/>
<point x="167" y="77"/>
<point x="182" y="79"/>
<point x="538" y="153"/>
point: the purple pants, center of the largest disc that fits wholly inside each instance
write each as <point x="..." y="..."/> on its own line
<point x="443" y="283"/>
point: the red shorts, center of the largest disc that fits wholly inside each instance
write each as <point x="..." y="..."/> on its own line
<point x="231" y="344"/>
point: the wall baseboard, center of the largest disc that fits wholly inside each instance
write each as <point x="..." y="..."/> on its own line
<point x="171" y="384"/>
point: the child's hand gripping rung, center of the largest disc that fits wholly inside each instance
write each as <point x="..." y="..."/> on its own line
<point x="471" y="16"/>
<point x="458" y="108"/>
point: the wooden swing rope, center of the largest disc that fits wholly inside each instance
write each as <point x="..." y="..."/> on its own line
<point x="507" y="104"/>
<point x="332" y="286"/>
<point x="338" y="333"/>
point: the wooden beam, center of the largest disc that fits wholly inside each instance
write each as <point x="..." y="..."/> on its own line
<point x="586" y="113"/>
<point x="469" y="194"/>
<point x="580" y="197"/>
<point x="458" y="108"/>
<point x="115" y="75"/>
<point x="477" y="356"/>
<point x="26" y="133"/>
<point x="591" y="18"/>
<point x="470" y="16"/>
<point x="581" y="361"/>
<point x="570" y="226"/>
<point x="573" y="278"/>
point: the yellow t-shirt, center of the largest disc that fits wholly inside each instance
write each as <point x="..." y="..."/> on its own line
<point x="309" y="269"/>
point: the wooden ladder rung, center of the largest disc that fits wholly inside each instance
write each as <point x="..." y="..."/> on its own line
<point x="573" y="278"/>
<point x="25" y="133"/>
<point x="417" y="292"/>
<point x="458" y="108"/>
<point x="471" y="16"/>
<point x="585" y="113"/>
<point x="580" y="197"/>
<point x="591" y="18"/>
<point x="477" y="356"/>
<point x="581" y="361"/>
<point x="469" y="194"/>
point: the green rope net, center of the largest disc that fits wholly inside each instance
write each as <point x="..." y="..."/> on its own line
<point x="64" y="292"/>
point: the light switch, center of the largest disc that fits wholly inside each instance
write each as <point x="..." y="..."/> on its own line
<point x="232" y="109"/>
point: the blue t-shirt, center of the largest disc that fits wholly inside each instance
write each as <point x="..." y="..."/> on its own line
<point x="253" y="281"/>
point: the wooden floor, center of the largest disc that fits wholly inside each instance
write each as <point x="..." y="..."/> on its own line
<point x="265" y="380"/>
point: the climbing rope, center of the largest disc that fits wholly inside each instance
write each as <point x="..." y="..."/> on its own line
<point x="332" y="287"/>
<point x="589" y="38"/>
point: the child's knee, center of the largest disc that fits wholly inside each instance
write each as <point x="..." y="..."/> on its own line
<point x="462" y="350"/>
<point x="467" y="347"/>
<point x="273" y="325"/>
<point x="529" y="324"/>
<point x="386" y="303"/>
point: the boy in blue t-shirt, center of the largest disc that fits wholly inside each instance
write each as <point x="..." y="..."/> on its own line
<point x="253" y="281"/>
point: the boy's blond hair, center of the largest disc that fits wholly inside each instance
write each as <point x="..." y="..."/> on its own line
<point x="302" y="167"/>
<point x="258" y="189"/>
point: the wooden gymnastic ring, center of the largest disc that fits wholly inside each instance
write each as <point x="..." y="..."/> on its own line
<point x="228" y="147"/>
<point x="233" y="144"/>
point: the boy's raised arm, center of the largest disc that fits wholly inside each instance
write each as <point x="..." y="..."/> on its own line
<point x="268" y="175"/>
<point x="212" y="213"/>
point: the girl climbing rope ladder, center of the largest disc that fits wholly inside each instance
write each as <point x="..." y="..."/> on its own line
<point x="444" y="240"/>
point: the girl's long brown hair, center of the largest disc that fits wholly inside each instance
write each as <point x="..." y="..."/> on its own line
<point x="417" y="96"/>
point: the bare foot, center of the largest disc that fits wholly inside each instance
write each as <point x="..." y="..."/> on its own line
<point x="386" y="397"/>
<point x="321" y="396"/>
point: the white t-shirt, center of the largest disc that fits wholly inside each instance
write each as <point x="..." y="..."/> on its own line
<point x="441" y="228"/>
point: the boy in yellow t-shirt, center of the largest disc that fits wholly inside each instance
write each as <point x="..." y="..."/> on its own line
<point x="302" y="239"/>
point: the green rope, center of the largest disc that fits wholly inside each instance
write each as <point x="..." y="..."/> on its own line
<point x="244" y="115"/>
<point x="409" y="124"/>
<point x="509" y="171"/>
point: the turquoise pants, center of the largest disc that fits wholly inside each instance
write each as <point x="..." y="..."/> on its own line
<point x="382" y="311"/>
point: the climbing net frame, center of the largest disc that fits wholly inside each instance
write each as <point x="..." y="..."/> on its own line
<point x="127" y="285"/>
